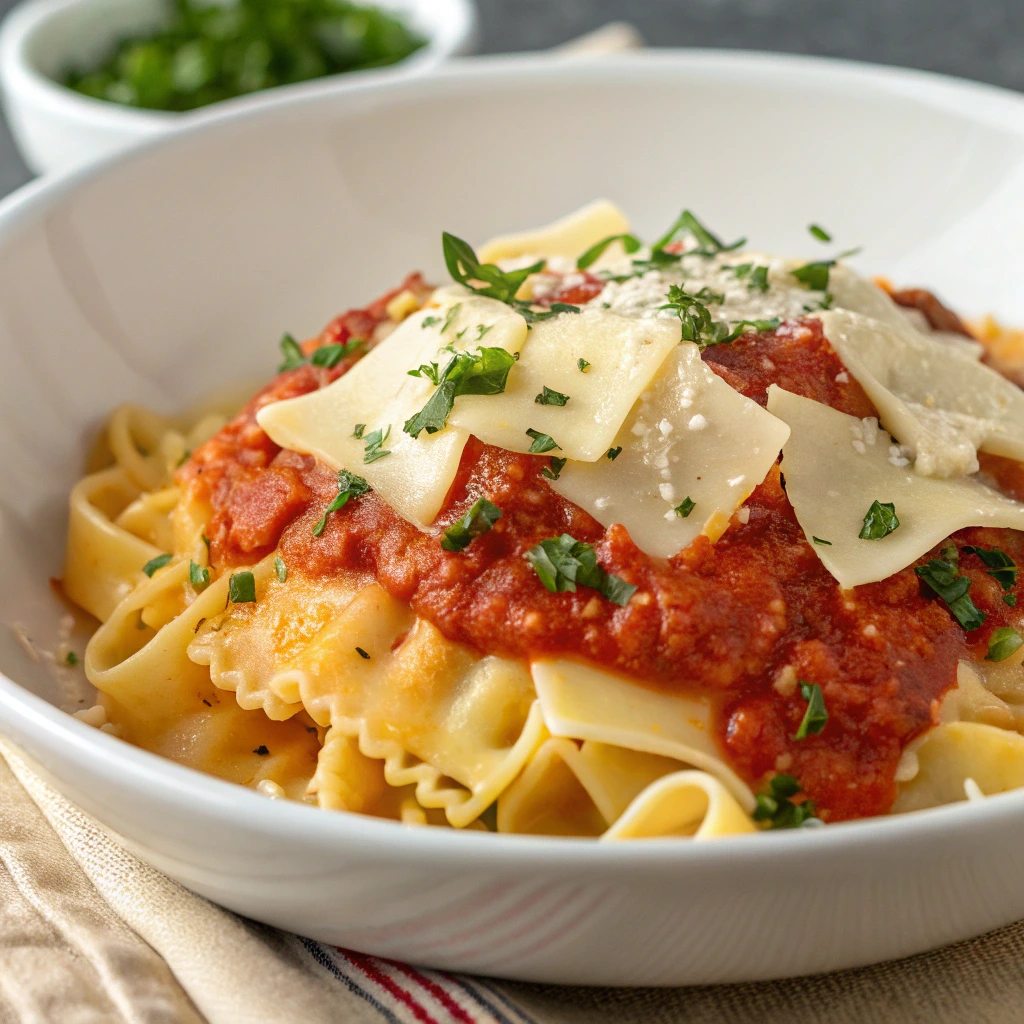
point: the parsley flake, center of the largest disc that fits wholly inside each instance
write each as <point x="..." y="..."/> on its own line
<point x="879" y="521"/>
<point x="815" y="275"/>
<point x="280" y="569"/>
<point x="242" y="588"/>
<point x="71" y="658"/>
<point x="710" y="244"/>
<point x="1003" y="642"/>
<point x="328" y="356"/>
<point x="541" y="442"/>
<point x="549" y="397"/>
<point x="629" y="242"/>
<point x="777" y="809"/>
<point x="156" y="563"/>
<point x="553" y="470"/>
<point x="583" y="365"/>
<point x="349" y="486"/>
<point x="818" y="540"/>
<point x="942" y="579"/>
<point x="816" y="714"/>
<point x="198" y="575"/>
<point x="563" y="562"/>
<point x="491" y="280"/>
<point x="429" y="321"/>
<point x="291" y="354"/>
<point x="1010" y="599"/>
<point x="613" y="453"/>
<point x="360" y="427"/>
<point x="685" y="508"/>
<point x="1001" y="566"/>
<point x="819" y="233"/>
<point x="481" y="516"/>
<point x="375" y="444"/>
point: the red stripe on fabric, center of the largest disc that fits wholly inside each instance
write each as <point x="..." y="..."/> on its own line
<point x="370" y="969"/>
<point x="457" y="1012"/>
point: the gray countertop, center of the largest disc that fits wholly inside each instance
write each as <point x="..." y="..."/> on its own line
<point x="980" y="39"/>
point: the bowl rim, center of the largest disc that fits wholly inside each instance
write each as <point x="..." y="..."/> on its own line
<point x="28" y="718"/>
<point x="455" y="26"/>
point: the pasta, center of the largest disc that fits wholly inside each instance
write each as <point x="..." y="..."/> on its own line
<point x="603" y="539"/>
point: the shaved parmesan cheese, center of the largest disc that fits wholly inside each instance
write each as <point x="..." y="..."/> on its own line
<point x="836" y="465"/>
<point x="689" y="436"/>
<point x="571" y="236"/>
<point x="378" y="392"/>
<point x="624" y="355"/>
<point x="851" y="291"/>
<point x="936" y="399"/>
<point x="585" y="703"/>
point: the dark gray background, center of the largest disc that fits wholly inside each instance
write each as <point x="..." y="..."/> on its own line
<point x="982" y="39"/>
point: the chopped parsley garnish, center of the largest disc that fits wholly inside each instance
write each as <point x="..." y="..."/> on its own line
<point x="819" y="233"/>
<point x="198" y="575"/>
<point x="698" y="324"/>
<point x="776" y="807"/>
<point x="349" y="486"/>
<point x="329" y="356"/>
<point x="583" y="365"/>
<point x="482" y="329"/>
<point x="553" y="470"/>
<point x="629" y="242"/>
<point x="262" y="750"/>
<point x="818" y="540"/>
<point x="756" y="276"/>
<point x="541" y="442"/>
<point x="815" y="274"/>
<point x="429" y="321"/>
<point x="1001" y="566"/>
<point x="879" y="521"/>
<point x="1003" y="642"/>
<point x="1010" y="599"/>
<point x="563" y="562"/>
<point x="816" y="714"/>
<point x="549" y="397"/>
<point x="684" y="508"/>
<point x="71" y="658"/>
<point x="362" y="654"/>
<point x="291" y="354"/>
<point x="449" y="318"/>
<point x="242" y="587"/>
<point x="613" y="453"/>
<point x="481" y="516"/>
<point x="358" y="432"/>
<point x="429" y="370"/>
<point x="280" y="569"/>
<point x="941" y="577"/>
<point x="491" y="280"/>
<point x="483" y="372"/>
<point x="206" y="540"/>
<point x="375" y="444"/>
<point x="740" y="327"/>
<point x="156" y="563"/>
<point x="687" y="223"/>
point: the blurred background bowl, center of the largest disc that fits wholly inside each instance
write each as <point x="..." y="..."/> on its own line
<point x="57" y="128"/>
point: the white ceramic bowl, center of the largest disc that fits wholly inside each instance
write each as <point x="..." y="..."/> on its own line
<point x="57" y="128"/>
<point x="172" y="270"/>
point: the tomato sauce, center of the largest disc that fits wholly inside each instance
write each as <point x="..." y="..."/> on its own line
<point x="742" y="619"/>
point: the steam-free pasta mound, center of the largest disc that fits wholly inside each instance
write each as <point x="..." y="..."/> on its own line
<point x="606" y="538"/>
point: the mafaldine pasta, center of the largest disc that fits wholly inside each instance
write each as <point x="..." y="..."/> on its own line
<point x="602" y="538"/>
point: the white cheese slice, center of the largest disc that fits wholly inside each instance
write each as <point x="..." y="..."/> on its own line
<point x="624" y="355"/>
<point x="570" y="236"/>
<point x="689" y="436"/>
<point x="378" y="392"/>
<point x="936" y="399"/>
<point x="851" y="291"/>
<point x="836" y="465"/>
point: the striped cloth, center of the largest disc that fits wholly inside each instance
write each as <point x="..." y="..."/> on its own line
<point x="89" y="934"/>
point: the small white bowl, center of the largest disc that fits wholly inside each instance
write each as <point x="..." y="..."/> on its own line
<point x="57" y="128"/>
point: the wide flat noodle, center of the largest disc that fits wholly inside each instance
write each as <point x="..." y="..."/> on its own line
<point x="569" y="236"/>
<point x="936" y="399"/>
<point x="836" y="465"/>
<point x="690" y="435"/>
<point x="379" y="393"/>
<point x="624" y="355"/>
<point x="586" y="703"/>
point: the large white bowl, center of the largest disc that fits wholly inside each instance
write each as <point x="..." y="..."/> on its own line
<point x="57" y="128"/>
<point x="172" y="270"/>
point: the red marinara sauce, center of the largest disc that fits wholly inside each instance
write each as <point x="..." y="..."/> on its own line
<point x="741" y="620"/>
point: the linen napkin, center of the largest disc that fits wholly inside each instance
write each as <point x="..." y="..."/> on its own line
<point x="88" y="933"/>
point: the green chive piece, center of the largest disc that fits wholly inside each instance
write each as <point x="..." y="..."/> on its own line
<point x="819" y="233"/>
<point x="280" y="569"/>
<point x="816" y="714"/>
<point x="818" y="540"/>
<point x="941" y="577"/>
<point x="156" y="563"/>
<point x="1003" y="642"/>
<point x="198" y="576"/>
<point x="242" y="587"/>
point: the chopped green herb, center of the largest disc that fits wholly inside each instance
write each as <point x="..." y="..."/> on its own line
<point x="629" y="242"/>
<point x="329" y="356"/>
<point x="482" y="329"/>
<point x="776" y="808"/>
<point x="711" y="297"/>
<point x="824" y="303"/>
<point x="375" y="444"/>
<point x="1001" y="566"/>
<point x="349" y="486"/>
<point x="71" y="658"/>
<point x="941" y="578"/>
<point x="449" y="318"/>
<point x="362" y="654"/>
<point x="583" y="365"/>
<point x="429" y="370"/>
<point x="493" y="282"/>
<point x="481" y="516"/>
<point x="156" y="563"/>
<point x="291" y="354"/>
<point x="549" y="397"/>
<point x="815" y="275"/>
<point x="280" y="569"/>
<point x="483" y="372"/>
<point x="879" y="521"/>
<point x="261" y="750"/>
<point x="1010" y="599"/>
<point x="360" y="427"/>
<point x="613" y="453"/>
<point x="429" y="321"/>
<point x="949" y="553"/>
<point x="685" y="508"/>
<point x="819" y="233"/>
<point x="554" y="469"/>
<point x="242" y="587"/>
<point x="541" y="442"/>
<point x="206" y="540"/>
<point x="198" y="575"/>
<point x="758" y="280"/>
<point x="1003" y="642"/>
<point x="687" y="223"/>
<point x="818" y="540"/>
<point x="186" y="455"/>
<point x="816" y="714"/>
<point x="563" y="562"/>
<point x="740" y="328"/>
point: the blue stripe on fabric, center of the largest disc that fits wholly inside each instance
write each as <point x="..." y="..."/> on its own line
<point x="489" y="1006"/>
<point x="324" y="959"/>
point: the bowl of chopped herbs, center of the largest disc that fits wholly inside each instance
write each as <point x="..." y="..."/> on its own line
<point x="83" y="78"/>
